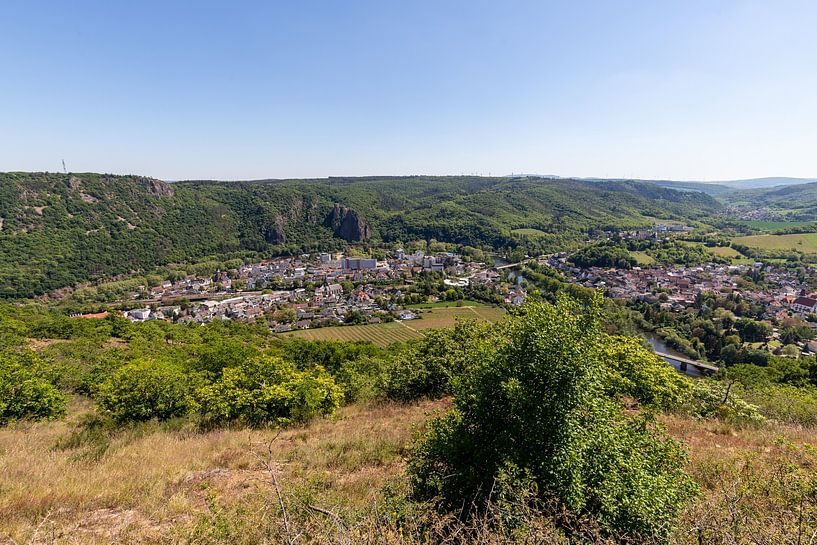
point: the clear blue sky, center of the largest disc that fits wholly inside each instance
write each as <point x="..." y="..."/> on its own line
<point x="236" y="90"/>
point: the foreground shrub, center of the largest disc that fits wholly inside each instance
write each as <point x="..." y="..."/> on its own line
<point x="145" y="390"/>
<point x="269" y="390"/>
<point x="25" y="389"/>
<point x="536" y="406"/>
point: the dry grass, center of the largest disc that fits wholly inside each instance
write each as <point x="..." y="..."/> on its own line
<point x="161" y="485"/>
<point x="724" y="251"/>
<point x="152" y="483"/>
<point x="759" y="485"/>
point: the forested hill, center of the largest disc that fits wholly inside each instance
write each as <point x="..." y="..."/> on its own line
<point x="60" y="229"/>
<point x="800" y="199"/>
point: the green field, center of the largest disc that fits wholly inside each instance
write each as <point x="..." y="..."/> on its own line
<point x="724" y="251"/>
<point x="528" y="232"/>
<point x="642" y="258"/>
<point x="805" y="242"/>
<point x="394" y="332"/>
<point x="774" y="225"/>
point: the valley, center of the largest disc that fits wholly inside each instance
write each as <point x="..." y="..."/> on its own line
<point x="276" y="342"/>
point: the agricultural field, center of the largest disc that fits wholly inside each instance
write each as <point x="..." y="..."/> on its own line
<point x="804" y="242"/>
<point x="395" y="332"/>
<point x="379" y="334"/>
<point x="447" y="304"/>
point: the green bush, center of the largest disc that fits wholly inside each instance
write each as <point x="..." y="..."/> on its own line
<point x="358" y="378"/>
<point x="536" y="404"/>
<point x="711" y="398"/>
<point x="268" y="390"/>
<point x="427" y="367"/>
<point x="638" y="373"/>
<point x="25" y="389"/>
<point x="784" y="402"/>
<point x="221" y="353"/>
<point x="144" y="390"/>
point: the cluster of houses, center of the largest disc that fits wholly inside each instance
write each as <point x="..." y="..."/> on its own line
<point x="321" y="269"/>
<point x="322" y="289"/>
<point x="325" y="305"/>
<point x="654" y="233"/>
<point x="310" y="290"/>
<point x="678" y="287"/>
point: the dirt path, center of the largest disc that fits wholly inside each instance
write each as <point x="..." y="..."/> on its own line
<point x="402" y="323"/>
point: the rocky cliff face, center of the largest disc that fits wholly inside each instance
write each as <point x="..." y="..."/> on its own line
<point x="274" y="232"/>
<point x="159" y="188"/>
<point x="347" y="224"/>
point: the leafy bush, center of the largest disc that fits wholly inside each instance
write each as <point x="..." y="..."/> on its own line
<point x="25" y="389"/>
<point x="268" y="390"/>
<point x="640" y="374"/>
<point x="426" y="368"/>
<point x="146" y="389"/>
<point x="711" y="398"/>
<point x="358" y="378"/>
<point x="536" y="405"/>
<point x="784" y="403"/>
<point x="221" y="353"/>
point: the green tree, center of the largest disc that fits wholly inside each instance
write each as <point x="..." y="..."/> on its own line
<point x="144" y="390"/>
<point x="752" y="331"/>
<point x="285" y="315"/>
<point x="223" y="352"/>
<point x="355" y="317"/>
<point x="25" y="389"/>
<point x="426" y="368"/>
<point x="534" y="405"/>
<point x="269" y="390"/>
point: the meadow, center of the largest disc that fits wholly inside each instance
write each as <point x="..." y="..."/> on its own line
<point x="642" y="258"/>
<point x="767" y="225"/>
<point x="725" y="251"/>
<point x="803" y="242"/>
<point x="401" y="331"/>
<point x="157" y="483"/>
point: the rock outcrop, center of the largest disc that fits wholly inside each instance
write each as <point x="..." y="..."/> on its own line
<point x="159" y="188"/>
<point x="347" y="224"/>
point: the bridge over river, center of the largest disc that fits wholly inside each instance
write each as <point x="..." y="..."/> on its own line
<point x="688" y="366"/>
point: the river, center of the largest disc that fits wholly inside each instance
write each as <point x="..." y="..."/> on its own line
<point x="660" y="346"/>
<point x="511" y="275"/>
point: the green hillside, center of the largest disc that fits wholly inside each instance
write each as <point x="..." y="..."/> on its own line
<point x="797" y="202"/>
<point x="60" y="229"/>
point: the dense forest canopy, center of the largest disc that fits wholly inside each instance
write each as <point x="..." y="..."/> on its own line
<point x="57" y="230"/>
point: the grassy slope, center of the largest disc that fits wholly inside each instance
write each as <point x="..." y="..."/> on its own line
<point x="806" y="242"/>
<point x="161" y="485"/>
<point x="797" y="201"/>
<point x="642" y="258"/>
<point x="771" y="226"/>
